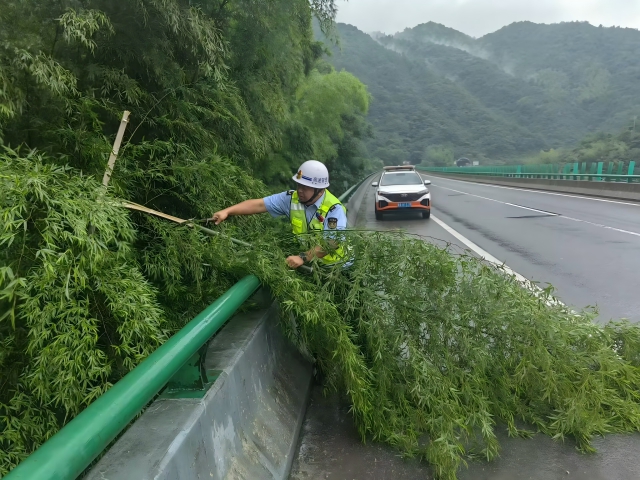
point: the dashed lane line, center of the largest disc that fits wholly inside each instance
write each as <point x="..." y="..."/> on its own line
<point x="525" y="282"/>
<point x="550" y="214"/>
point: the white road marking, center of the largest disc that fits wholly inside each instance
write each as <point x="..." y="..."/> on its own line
<point x="477" y="249"/>
<point x="600" y="225"/>
<point x="499" y="201"/>
<point x="526" y="283"/>
<point x="628" y="232"/>
<point x="581" y="197"/>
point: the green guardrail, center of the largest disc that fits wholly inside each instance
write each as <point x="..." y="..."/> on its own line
<point x="344" y="198"/>
<point x="616" y="172"/>
<point x="70" y="451"/>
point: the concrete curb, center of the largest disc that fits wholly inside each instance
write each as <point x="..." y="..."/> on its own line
<point x="246" y="426"/>
<point x="618" y="191"/>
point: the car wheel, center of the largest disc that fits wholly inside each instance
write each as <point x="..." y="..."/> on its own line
<point x="426" y="214"/>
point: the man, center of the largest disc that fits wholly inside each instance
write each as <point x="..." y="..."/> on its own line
<point x="311" y="207"/>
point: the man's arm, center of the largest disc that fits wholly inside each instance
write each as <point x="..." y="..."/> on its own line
<point x="248" y="207"/>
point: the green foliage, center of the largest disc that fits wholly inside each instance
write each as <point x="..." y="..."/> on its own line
<point x="413" y="107"/>
<point x="438" y="156"/>
<point x="522" y="89"/>
<point x="87" y="291"/>
<point x="596" y="69"/>
<point x="76" y="312"/>
<point x="601" y="147"/>
<point x="207" y="78"/>
<point x="347" y="97"/>
<point x="335" y="130"/>
<point x="433" y="353"/>
<point x="438" y="353"/>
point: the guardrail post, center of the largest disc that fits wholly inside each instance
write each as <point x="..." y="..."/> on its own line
<point x="600" y="167"/>
<point x="518" y="171"/>
<point x="632" y="167"/>
<point x="576" y="170"/>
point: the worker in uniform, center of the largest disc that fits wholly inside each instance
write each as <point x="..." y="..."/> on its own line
<point x="310" y="208"/>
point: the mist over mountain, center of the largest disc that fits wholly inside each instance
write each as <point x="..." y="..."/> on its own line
<point x="439" y="94"/>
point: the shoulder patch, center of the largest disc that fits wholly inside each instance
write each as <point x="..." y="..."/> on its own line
<point x="290" y="192"/>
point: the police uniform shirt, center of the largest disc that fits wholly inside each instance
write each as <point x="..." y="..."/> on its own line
<point x="280" y="205"/>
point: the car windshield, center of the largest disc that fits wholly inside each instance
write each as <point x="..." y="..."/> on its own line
<point x="401" y="178"/>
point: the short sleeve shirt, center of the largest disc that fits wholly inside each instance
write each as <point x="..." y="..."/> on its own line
<point x="279" y="205"/>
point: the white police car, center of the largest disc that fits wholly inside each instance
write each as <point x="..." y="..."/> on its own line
<point x="402" y="189"/>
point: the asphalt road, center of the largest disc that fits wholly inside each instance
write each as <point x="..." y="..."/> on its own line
<point x="587" y="248"/>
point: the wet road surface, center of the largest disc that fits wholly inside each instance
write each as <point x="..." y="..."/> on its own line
<point x="589" y="250"/>
<point x="330" y="448"/>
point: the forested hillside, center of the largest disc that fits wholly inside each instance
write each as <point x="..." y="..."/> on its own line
<point x="219" y="78"/>
<point x="599" y="147"/>
<point x="556" y="83"/>
<point x="226" y="100"/>
<point x="418" y="114"/>
<point x="595" y="68"/>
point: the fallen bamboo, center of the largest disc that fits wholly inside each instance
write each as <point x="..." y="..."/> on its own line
<point x="191" y="223"/>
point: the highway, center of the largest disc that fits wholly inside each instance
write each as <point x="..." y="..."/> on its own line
<point x="587" y="248"/>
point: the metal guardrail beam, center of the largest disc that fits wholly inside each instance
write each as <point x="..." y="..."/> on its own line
<point x="574" y="172"/>
<point x="65" y="455"/>
<point x="349" y="193"/>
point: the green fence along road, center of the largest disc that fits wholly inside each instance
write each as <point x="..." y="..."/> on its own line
<point x="594" y="171"/>
<point x="70" y="451"/>
<point x="74" y="447"/>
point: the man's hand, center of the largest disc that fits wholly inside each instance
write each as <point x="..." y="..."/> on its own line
<point x="294" y="261"/>
<point x="219" y="217"/>
<point x="248" y="207"/>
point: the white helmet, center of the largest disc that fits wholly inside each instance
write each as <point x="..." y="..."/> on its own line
<point x="312" y="173"/>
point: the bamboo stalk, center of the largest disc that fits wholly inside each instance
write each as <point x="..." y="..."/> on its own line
<point x="190" y="223"/>
<point x="116" y="148"/>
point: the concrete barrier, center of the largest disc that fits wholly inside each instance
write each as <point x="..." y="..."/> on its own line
<point x="619" y="191"/>
<point x="353" y="205"/>
<point x="245" y="427"/>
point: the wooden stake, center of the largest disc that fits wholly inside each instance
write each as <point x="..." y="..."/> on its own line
<point x="116" y="148"/>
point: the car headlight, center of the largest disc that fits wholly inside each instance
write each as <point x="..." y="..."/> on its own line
<point x="384" y="194"/>
<point x="423" y="192"/>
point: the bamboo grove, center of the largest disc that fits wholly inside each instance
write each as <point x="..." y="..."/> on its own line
<point x="434" y="350"/>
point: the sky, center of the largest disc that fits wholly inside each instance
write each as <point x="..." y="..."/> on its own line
<point x="479" y="17"/>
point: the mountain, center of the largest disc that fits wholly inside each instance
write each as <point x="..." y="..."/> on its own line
<point x="520" y="99"/>
<point x="417" y="113"/>
<point x="438" y="93"/>
<point x="596" y="68"/>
